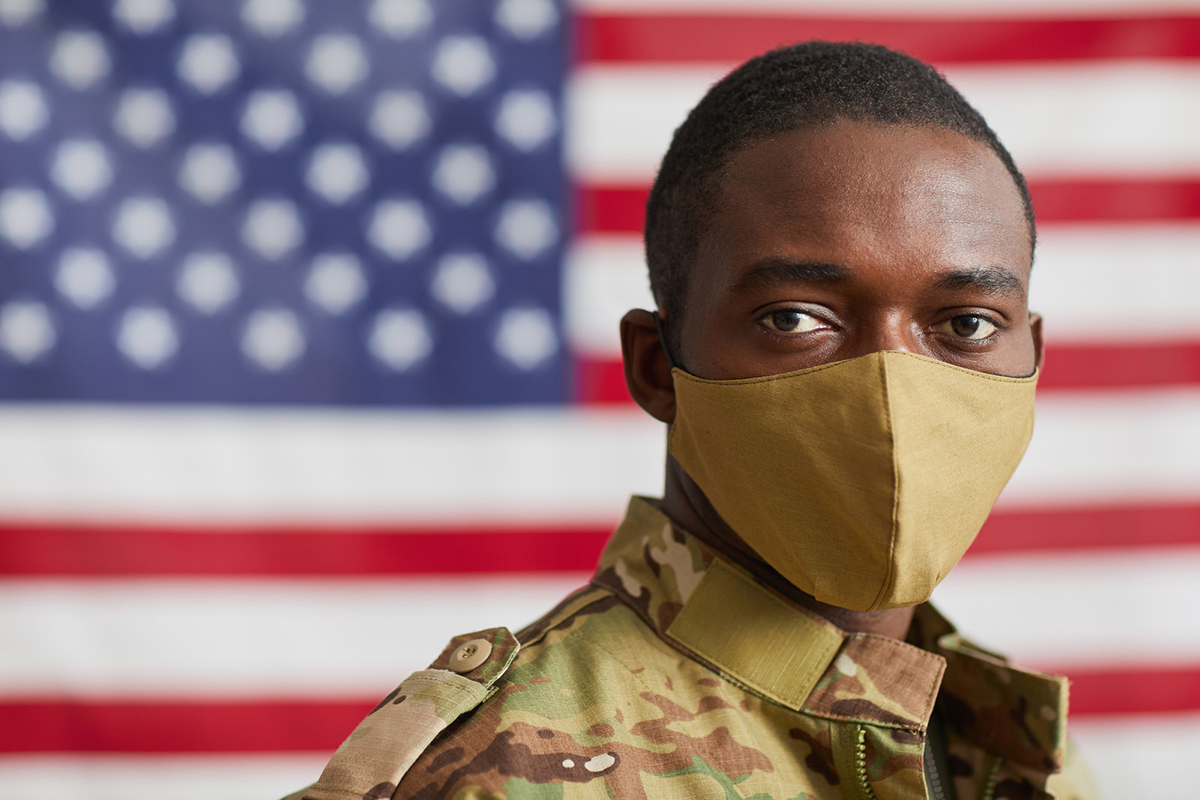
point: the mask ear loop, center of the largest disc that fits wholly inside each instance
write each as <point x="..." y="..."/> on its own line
<point x="662" y="340"/>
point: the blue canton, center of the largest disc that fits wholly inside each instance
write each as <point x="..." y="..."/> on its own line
<point x="282" y="201"/>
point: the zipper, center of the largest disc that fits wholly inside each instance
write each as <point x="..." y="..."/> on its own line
<point x="860" y="764"/>
<point x="988" y="792"/>
<point x="934" y="779"/>
<point x="934" y="759"/>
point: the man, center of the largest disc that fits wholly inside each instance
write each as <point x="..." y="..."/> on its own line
<point x="840" y="250"/>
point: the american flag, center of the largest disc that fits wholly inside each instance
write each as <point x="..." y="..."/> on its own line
<point x="308" y="355"/>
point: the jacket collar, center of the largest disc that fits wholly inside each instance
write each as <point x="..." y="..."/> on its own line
<point x="718" y="614"/>
<point x="1017" y="713"/>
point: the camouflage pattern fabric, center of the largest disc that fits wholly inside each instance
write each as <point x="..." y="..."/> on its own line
<point x="675" y="674"/>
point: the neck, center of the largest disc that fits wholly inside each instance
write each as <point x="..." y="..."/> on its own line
<point x="687" y="506"/>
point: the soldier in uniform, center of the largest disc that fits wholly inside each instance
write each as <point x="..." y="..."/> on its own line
<point x="839" y="249"/>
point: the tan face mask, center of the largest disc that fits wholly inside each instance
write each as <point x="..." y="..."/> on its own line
<point x="863" y="481"/>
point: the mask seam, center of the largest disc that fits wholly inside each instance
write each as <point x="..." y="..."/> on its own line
<point x="891" y="431"/>
<point x="807" y="370"/>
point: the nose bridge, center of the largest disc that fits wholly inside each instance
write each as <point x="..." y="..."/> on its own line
<point x="887" y="329"/>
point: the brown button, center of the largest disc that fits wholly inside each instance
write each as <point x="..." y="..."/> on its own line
<point x="470" y="655"/>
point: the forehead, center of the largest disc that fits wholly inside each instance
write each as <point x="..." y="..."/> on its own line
<point x="913" y="200"/>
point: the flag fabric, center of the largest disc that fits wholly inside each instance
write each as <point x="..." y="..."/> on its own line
<point x="308" y="355"/>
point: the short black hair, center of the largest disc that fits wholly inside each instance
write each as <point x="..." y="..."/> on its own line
<point x="805" y="85"/>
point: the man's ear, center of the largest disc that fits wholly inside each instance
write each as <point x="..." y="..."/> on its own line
<point x="1039" y="347"/>
<point x="647" y="370"/>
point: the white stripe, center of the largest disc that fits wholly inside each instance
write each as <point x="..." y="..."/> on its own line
<point x="1056" y="119"/>
<point x="1098" y="609"/>
<point x="1093" y="283"/>
<point x="1144" y="756"/>
<point x="604" y="276"/>
<point x="1109" y="447"/>
<point x="358" y="639"/>
<point x="1116" y="282"/>
<point x="246" y="638"/>
<point x="891" y="8"/>
<point x="212" y="464"/>
<point x="109" y="777"/>
<point x="293" y="467"/>
<point x="619" y="120"/>
<point x="1093" y="119"/>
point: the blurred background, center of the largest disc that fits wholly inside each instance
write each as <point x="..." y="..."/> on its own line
<point x="308" y="355"/>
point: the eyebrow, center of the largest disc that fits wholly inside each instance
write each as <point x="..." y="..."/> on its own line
<point x="774" y="271"/>
<point x="991" y="280"/>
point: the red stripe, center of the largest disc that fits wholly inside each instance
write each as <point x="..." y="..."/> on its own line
<point x="135" y="726"/>
<point x="1134" y="691"/>
<point x="1113" y="200"/>
<point x="127" y="550"/>
<point x="1143" y="364"/>
<point x="1068" y="366"/>
<point x="694" y="38"/>
<point x="1084" y="528"/>
<point x="601" y="381"/>
<point x="620" y="208"/>
<point x="123" y="551"/>
<point x="611" y="208"/>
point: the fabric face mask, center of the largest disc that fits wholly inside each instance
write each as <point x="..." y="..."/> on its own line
<point x="864" y="481"/>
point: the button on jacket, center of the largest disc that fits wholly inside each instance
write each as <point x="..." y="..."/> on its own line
<point x="675" y="674"/>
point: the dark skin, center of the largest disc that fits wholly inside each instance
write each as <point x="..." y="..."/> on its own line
<point x="832" y="243"/>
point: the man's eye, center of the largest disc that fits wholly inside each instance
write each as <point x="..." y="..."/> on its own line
<point x="969" y="327"/>
<point x="789" y="320"/>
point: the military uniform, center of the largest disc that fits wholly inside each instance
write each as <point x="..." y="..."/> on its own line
<point x="675" y="674"/>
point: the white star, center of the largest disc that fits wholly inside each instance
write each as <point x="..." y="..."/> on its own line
<point x="23" y="110"/>
<point x="335" y="282"/>
<point x="272" y="118"/>
<point x="273" y="339"/>
<point x="143" y="16"/>
<point x="400" y="19"/>
<point x="26" y="330"/>
<point x="80" y="58"/>
<point x="399" y="228"/>
<point x="526" y="119"/>
<point x="272" y="228"/>
<point x="15" y="13"/>
<point x="81" y="168"/>
<point x="25" y="217"/>
<point x="526" y="228"/>
<point x="210" y="172"/>
<point x="463" y="64"/>
<point x="208" y="62"/>
<point x="337" y="172"/>
<point x="144" y="226"/>
<point x="526" y="19"/>
<point x="464" y="173"/>
<point x="272" y="17"/>
<point x="146" y="336"/>
<point x="208" y="282"/>
<point x="144" y="117"/>
<point x="462" y="282"/>
<point x="400" y="338"/>
<point x="84" y="276"/>
<point x="336" y="62"/>
<point x="399" y="118"/>
<point x="526" y="337"/>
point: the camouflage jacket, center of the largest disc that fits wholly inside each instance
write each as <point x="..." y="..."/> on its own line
<point x="675" y="674"/>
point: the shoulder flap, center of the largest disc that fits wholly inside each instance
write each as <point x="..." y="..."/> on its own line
<point x="373" y="759"/>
